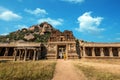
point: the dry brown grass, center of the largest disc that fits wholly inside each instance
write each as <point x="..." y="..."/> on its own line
<point x="99" y="69"/>
<point x="108" y="61"/>
<point x="30" y="70"/>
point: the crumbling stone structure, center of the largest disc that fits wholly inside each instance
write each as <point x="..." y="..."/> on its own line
<point x="62" y="43"/>
<point x="19" y="51"/>
<point x="99" y="50"/>
<point x="58" y="45"/>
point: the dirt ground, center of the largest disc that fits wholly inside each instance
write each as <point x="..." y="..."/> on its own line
<point x="65" y="70"/>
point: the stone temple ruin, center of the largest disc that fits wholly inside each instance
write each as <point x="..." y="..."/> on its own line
<point x="57" y="44"/>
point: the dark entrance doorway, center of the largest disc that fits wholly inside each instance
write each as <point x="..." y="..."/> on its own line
<point x="61" y="51"/>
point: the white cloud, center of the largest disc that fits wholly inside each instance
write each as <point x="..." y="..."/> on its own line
<point x="21" y="26"/>
<point x="53" y="22"/>
<point x="8" y="15"/>
<point x="74" y="1"/>
<point x="4" y="34"/>
<point x="89" y="24"/>
<point x="37" y="11"/>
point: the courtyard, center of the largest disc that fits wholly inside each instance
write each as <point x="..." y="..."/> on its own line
<point x="82" y="69"/>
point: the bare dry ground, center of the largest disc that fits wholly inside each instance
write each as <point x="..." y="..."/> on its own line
<point x="90" y="69"/>
<point x="65" y="70"/>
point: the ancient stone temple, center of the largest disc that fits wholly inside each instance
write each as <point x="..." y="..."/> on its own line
<point x="61" y="43"/>
<point x="55" y="45"/>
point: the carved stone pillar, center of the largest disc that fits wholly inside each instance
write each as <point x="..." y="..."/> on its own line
<point x="22" y="54"/>
<point x="69" y="46"/>
<point x="15" y="54"/>
<point x="29" y="52"/>
<point x="84" y="54"/>
<point x="101" y="52"/>
<point x="93" y="52"/>
<point x="118" y="52"/>
<point x="34" y="56"/>
<point x="19" y="54"/>
<point x="6" y="51"/>
<point x="56" y="51"/>
<point x="67" y="51"/>
<point x="25" y="56"/>
<point x="110" y="52"/>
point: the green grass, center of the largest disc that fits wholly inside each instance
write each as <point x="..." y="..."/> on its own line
<point x="38" y="70"/>
<point x="94" y="74"/>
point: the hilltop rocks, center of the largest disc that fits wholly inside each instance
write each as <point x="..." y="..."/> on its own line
<point x="29" y="37"/>
<point x="42" y="28"/>
<point x="35" y="33"/>
<point x="46" y="28"/>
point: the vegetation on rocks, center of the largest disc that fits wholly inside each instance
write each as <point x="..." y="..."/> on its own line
<point x="32" y="34"/>
<point x="42" y="38"/>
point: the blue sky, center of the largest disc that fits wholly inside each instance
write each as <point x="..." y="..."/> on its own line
<point x="90" y="20"/>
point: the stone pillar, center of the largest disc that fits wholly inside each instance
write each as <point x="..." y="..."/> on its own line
<point x="15" y="54"/>
<point x="69" y="46"/>
<point x="25" y="56"/>
<point x="22" y="54"/>
<point x="6" y="52"/>
<point x="67" y="51"/>
<point x="29" y="52"/>
<point x="110" y="52"/>
<point x="84" y="54"/>
<point x="118" y="52"/>
<point x="93" y="52"/>
<point x="101" y="52"/>
<point x="19" y="54"/>
<point x="56" y="51"/>
<point x="34" y="56"/>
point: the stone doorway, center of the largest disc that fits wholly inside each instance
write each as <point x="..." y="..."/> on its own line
<point x="61" y="51"/>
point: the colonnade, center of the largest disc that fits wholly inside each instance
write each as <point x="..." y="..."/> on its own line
<point x="26" y="54"/>
<point x="35" y="53"/>
<point x="20" y="53"/>
<point x="6" y="51"/>
<point x="100" y="51"/>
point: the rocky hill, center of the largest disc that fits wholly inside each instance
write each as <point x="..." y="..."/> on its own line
<point x="36" y="33"/>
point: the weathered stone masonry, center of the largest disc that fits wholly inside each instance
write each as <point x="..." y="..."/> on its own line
<point x="100" y="50"/>
<point x="58" y="44"/>
<point x="20" y="51"/>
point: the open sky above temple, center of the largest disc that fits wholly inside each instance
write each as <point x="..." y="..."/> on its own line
<point x="90" y="20"/>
